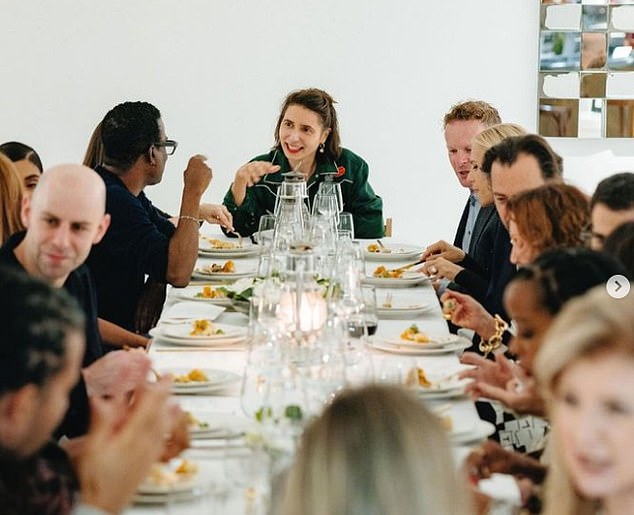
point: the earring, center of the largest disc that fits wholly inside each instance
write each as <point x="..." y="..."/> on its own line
<point x="321" y="148"/>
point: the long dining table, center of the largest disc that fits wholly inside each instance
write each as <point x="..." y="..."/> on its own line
<point x="221" y="452"/>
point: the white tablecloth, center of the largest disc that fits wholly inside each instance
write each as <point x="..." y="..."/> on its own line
<point x="214" y="456"/>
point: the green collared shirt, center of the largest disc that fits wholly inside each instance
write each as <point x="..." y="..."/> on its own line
<point x="351" y="172"/>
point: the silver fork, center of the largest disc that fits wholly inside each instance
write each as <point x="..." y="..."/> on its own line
<point x="236" y="233"/>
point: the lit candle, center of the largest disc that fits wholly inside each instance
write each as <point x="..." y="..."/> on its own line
<point x="312" y="310"/>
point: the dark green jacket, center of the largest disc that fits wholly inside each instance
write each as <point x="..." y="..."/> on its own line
<point x="358" y="196"/>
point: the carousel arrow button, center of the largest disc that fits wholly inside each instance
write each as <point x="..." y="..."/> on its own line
<point x="617" y="286"/>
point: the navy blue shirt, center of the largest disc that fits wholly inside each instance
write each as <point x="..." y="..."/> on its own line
<point x="80" y="285"/>
<point x="135" y="245"/>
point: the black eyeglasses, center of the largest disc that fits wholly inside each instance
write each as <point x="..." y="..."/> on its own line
<point x="169" y="144"/>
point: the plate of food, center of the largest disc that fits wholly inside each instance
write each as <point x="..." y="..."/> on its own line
<point x="209" y="425"/>
<point x="394" y="277"/>
<point x="179" y="475"/>
<point x="213" y="294"/>
<point x="427" y="384"/>
<point x="420" y="349"/>
<point x="159" y="335"/>
<point x="221" y="271"/>
<point x="216" y="247"/>
<point x="412" y="337"/>
<point x="391" y="251"/>
<point x="197" y="380"/>
<point x="202" y="329"/>
<point x="394" y="305"/>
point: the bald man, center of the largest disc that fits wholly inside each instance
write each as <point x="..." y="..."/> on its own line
<point x="64" y="218"/>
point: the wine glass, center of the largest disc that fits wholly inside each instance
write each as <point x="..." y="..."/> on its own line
<point x="364" y="322"/>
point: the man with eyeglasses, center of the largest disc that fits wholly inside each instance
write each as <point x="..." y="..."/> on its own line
<point x="142" y="240"/>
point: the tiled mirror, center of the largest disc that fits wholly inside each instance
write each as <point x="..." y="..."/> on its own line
<point x="586" y="68"/>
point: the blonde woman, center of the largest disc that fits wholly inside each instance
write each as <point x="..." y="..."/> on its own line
<point x="10" y="199"/>
<point x="487" y="252"/>
<point x="374" y="451"/>
<point x="586" y="371"/>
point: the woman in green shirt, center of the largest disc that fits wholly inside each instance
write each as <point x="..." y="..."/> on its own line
<point x="306" y="140"/>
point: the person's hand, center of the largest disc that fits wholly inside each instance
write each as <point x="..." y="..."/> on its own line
<point x="519" y="394"/>
<point x="117" y="375"/>
<point x="115" y="457"/>
<point x="149" y="306"/>
<point x="489" y="458"/>
<point x="216" y="214"/>
<point x="197" y="175"/>
<point x="468" y="312"/>
<point x="441" y="268"/>
<point x="444" y="250"/>
<point x="251" y="173"/>
<point x="495" y="373"/>
<point x="178" y="439"/>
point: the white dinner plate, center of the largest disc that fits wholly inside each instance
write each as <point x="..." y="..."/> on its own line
<point x="217" y="380"/>
<point x="203" y="273"/>
<point x="452" y="385"/>
<point x="219" y="426"/>
<point x="407" y="279"/>
<point x="421" y="349"/>
<point x="182" y="483"/>
<point x="393" y="252"/>
<point x="247" y="249"/>
<point x="183" y="331"/>
<point x="479" y="431"/>
<point x="436" y="342"/>
<point x="157" y="332"/>
<point x="401" y="305"/>
<point x="164" y="498"/>
<point x="192" y="293"/>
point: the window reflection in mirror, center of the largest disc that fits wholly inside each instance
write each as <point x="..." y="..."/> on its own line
<point x="594" y="18"/>
<point x="586" y="65"/>
<point x="621" y="51"/>
<point x="560" y="51"/>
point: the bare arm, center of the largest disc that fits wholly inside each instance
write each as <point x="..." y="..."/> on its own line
<point x="248" y="175"/>
<point x="183" y="246"/>
<point x="117" y="336"/>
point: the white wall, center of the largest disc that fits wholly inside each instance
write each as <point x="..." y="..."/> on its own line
<point x="219" y="69"/>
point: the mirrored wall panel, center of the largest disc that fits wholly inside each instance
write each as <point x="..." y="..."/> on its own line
<point x="586" y="68"/>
